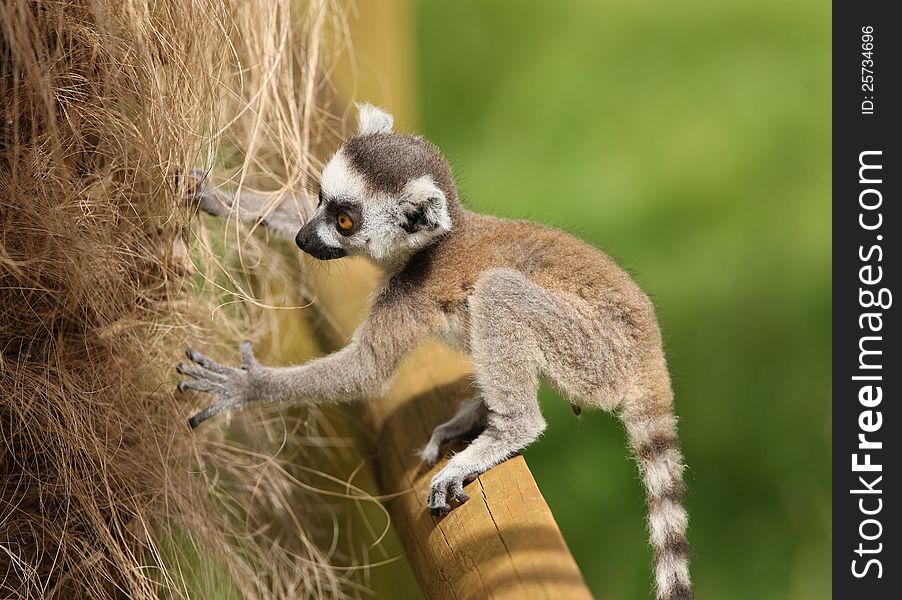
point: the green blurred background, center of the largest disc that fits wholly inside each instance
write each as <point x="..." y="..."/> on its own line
<point x="691" y="141"/>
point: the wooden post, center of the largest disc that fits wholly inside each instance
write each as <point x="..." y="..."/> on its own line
<point x="503" y="542"/>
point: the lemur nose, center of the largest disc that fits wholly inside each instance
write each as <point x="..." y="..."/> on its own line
<point x="301" y="239"/>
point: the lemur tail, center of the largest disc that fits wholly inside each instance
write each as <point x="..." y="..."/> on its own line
<point x="652" y="432"/>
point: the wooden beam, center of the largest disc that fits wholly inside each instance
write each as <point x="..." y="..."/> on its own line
<point x="503" y="542"/>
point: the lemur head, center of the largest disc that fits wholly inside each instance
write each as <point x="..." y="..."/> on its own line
<point x="383" y="195"/>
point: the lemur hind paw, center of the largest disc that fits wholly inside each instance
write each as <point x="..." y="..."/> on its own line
<point x="430" y="453"/>
<point x="231" y="386"/>
<point x="444" y="488"/>
<point x="471" y="417"/>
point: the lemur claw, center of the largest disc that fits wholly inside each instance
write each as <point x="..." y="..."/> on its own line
<point x="205" y="414"/>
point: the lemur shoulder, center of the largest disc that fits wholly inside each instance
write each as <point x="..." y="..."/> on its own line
<point x="525" y="300"/>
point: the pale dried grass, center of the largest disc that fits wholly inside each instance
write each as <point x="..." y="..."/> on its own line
<point x="105" y="277"/>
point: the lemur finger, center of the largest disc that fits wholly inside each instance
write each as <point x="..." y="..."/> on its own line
<point x="247" y="355"/>
<point x="197" y="193"/>
<point x="199" y="372"/>
<point x="198" y="385"/>
<point x="195" y="179"/>
<point x="207" y="362"/>
<point x="205" y="414"/>
<point x="199" y="176"/>
<point x="437" y="502"/>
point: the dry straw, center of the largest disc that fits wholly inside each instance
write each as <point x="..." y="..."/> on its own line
<point x="105" y="276"/>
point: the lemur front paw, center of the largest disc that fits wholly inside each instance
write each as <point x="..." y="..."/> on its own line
<point x="447" y="485"/>
<point x="199" y="193"/>
<point x="233" y="387"/>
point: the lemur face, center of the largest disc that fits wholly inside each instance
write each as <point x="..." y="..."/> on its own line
<point x="382" y="195"/>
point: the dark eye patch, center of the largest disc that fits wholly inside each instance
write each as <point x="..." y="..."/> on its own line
<point x="352" y="209"/>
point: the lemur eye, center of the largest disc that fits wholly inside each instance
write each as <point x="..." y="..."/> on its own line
<point x="345" y="223"/>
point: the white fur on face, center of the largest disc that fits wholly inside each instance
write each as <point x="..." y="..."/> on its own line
<point x="386" y="240"/>
<point x="381" y="236"/>
<point x="340" y="180"/>
<point x="327" y="233"/>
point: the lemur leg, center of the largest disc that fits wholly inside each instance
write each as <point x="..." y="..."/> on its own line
<point x="471" y="415"/>
<point x="504" y="310"/>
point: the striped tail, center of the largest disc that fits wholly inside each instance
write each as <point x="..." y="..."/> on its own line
<point x="651" y="428"/>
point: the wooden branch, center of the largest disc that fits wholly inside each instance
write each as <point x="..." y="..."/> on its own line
<point x="503" y="542"/>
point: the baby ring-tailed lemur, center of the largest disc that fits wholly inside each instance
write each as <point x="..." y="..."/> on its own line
<point x="524" y="300"/>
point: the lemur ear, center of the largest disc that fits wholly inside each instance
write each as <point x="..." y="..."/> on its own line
<point x="424" y="207"/>
<point x="371" y="119"/>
